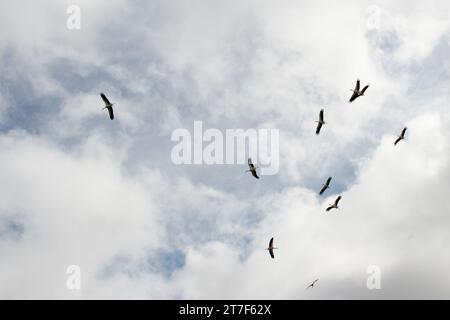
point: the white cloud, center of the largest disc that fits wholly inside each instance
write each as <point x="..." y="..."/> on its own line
<point x="78" y="209"/>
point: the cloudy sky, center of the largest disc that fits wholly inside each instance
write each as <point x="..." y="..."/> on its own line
<point x="79" y="189"/>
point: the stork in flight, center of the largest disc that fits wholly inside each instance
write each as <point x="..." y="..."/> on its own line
<point x="356" y="92"/>
<point x="320" y="122"/>
<point x="271" y="248"/>
<point x="312" y="284"/>
<point x="335" y="204"/>
<point x="401" y="137"/>
<point x="252" y="168"/>
<point x="108" y="105"/>
<point x="325" y="186"/>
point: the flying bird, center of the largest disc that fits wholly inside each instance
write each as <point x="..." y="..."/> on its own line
<point x="312" y="284"/>
<point x="108" y="105"/>
<point x="320" y="122"/>
<point x="325" y="186"/>
<point x="401" y="137"/>
<point x="335" y="204"/>
<point x="356" y="92"/>
<point x="252" y="168"/>
<point x="271" y="248"/>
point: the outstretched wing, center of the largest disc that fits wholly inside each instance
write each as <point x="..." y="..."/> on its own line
<point x="323" y="189"/>
<point x="312" y="284"/>
<point x="319" y="125"/>
<point x="403" y="132"/>
<point x="329" y="208"/>
<point x="320" y="122"/>
<point x="326" y="185"/>
<point x="105" y="99"/>
<point x="364" y="89"/>
<point x="271" y="248"/>
<point x="357" y="85"/>
<point x="337" y="200"/>
<point x="353" y="97"/>
<point x="252" y="168"/>
<point x="397" y="141"/>
<point x="111" y="113"/>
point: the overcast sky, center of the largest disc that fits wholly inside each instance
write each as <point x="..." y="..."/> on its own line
<point x="79" y="189"/>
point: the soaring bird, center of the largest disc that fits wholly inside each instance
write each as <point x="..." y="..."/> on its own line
<point x="108" y="105"/>
<point x="252" y="168"/>
<point x="312" y="284"/>
<point x="356" y="92"/>
<point x="271" y="248"/>
<point x="335" y="204"/>
<point x="325" y="186"/>
<point x="320" y="122"/>
<point x="401" y="137"/>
